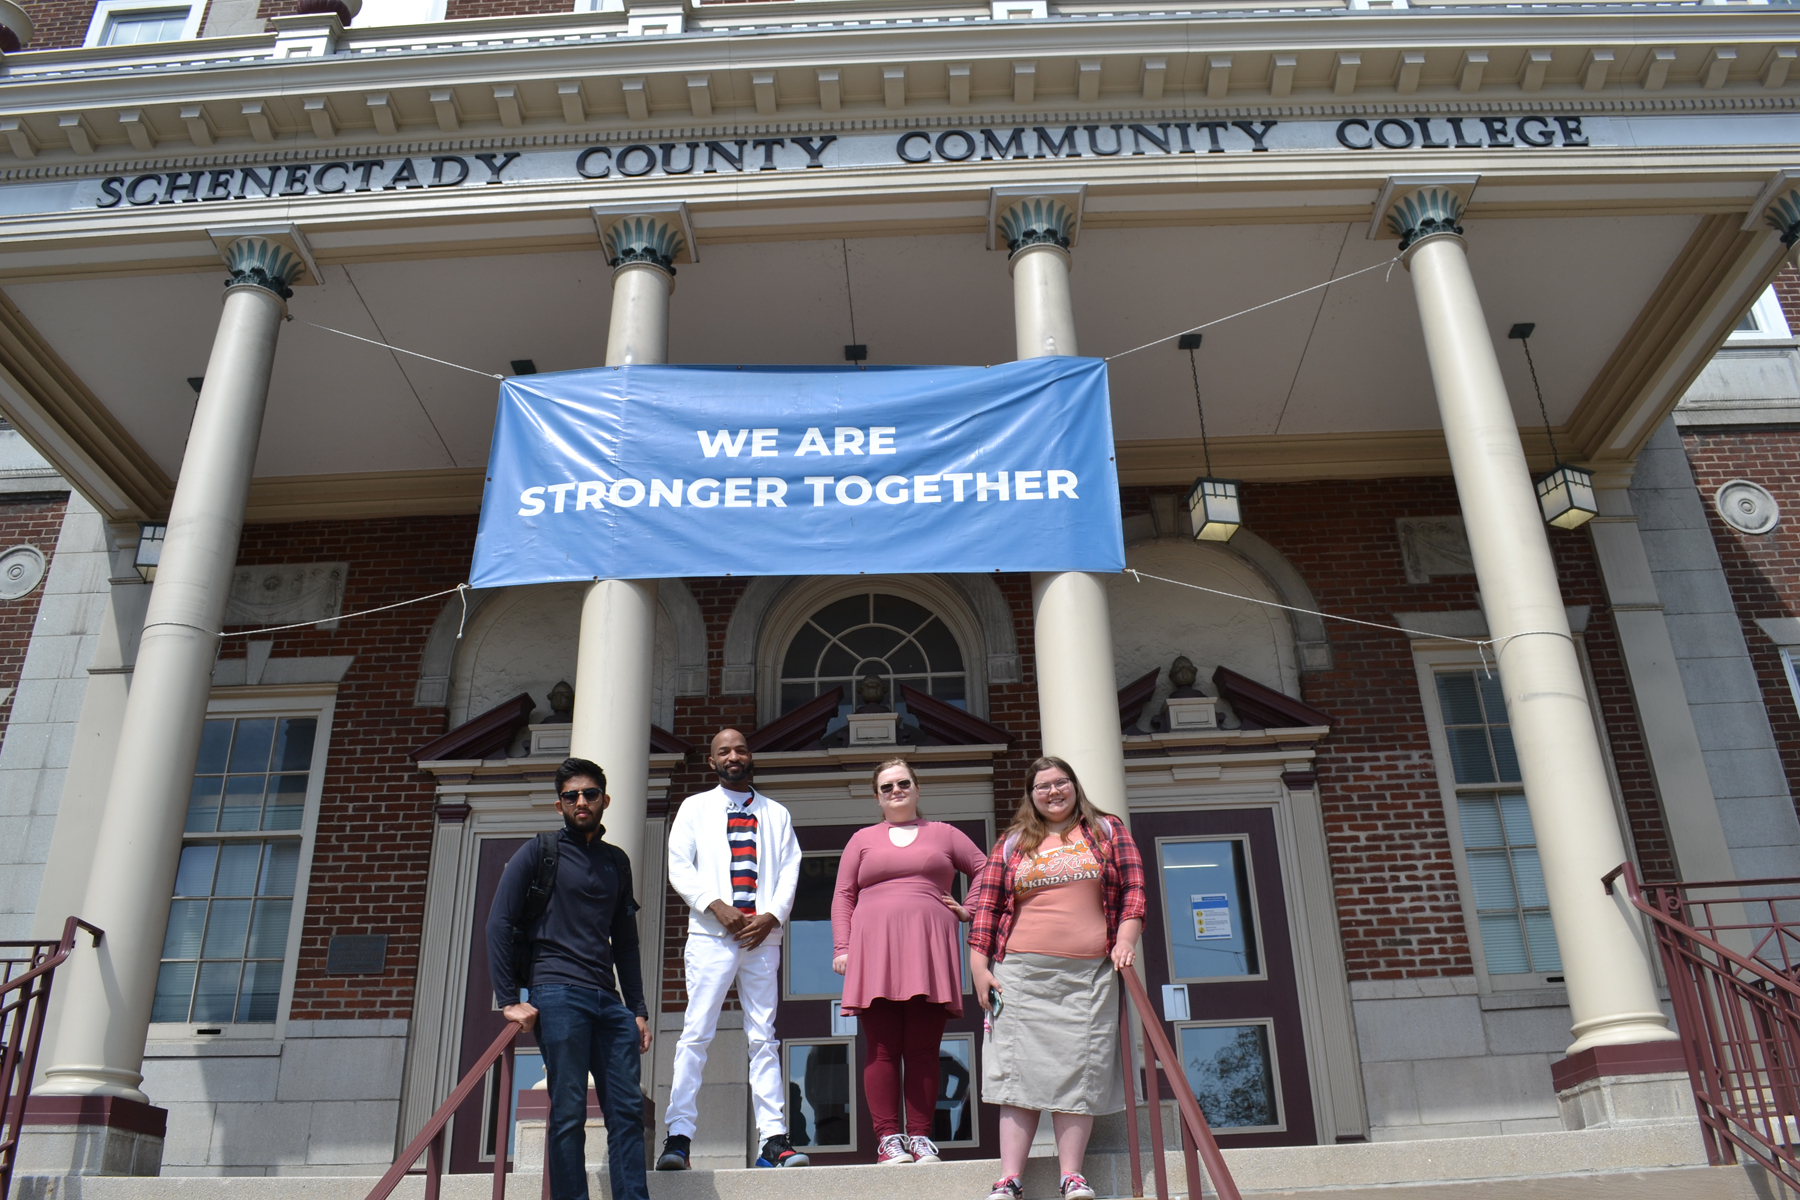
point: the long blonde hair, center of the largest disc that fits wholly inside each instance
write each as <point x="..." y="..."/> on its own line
<point x="1028" y="828"/>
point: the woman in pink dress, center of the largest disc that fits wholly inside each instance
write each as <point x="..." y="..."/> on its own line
<point x="893" y="929"/>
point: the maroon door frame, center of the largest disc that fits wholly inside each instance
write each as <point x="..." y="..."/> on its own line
<point x="1276" y="996"/>
<point x="812" y="1019"/>
<point x="481" y="1022"/>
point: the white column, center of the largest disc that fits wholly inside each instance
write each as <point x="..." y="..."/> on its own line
<point x="1078" y="708"/>
<point x="107" y="998"/>
<point x="611" y="722"/>
<point x="1612" y="993"/>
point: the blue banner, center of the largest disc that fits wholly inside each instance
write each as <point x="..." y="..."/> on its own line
<point x="648" y="472"/>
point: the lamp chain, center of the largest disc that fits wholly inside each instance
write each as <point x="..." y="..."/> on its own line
<point x="1205" y="449"/>
<point x="1555" y="458"/>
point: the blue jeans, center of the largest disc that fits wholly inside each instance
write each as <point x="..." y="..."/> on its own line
<point x="582" y="1032"/>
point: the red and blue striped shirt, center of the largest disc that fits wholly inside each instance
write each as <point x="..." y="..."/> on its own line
<point x="740" y="833"/>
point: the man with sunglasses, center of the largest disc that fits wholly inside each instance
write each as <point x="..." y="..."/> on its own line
<point x="564" y="923"/>
<point x="734" y="858"/>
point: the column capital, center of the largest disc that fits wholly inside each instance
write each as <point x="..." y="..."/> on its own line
<point x="1026" y="216"/>
<point x="655" y="235"/>
<point x="1783" y="216"/>
<point x="1420" y="206"/>
<point x="274" y="258"/>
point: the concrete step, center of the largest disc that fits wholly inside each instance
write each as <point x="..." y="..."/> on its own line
<point x="1647" y="1162"/>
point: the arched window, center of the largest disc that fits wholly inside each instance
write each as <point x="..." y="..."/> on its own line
<point x="873" y="633"/>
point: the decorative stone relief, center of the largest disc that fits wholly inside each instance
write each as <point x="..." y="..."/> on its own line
<point x="263" y="263"/>
<point x="21" y="570"/>
<point x="1037" y="221"/>
<point x="1783" y="215"/>
<point x="1746" y="507"/>
<point x="1425" y="212"/>
<point x="1432" y="546"/>
<point x="287" y="594"/>
<point x="656" y="240"/>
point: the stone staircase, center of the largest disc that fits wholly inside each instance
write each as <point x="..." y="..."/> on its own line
<point x="1661" y="1161"/>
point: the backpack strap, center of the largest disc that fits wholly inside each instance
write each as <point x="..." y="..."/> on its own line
<point x="537" y="901"/>
<point x="627" y="888"/>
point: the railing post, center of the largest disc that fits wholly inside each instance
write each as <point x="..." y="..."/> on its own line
<point x="1153" y="1102"/>
<point x="1128" y="1062"/>
<point x="434" y="1164"/>
<point x="503" y="1124"/>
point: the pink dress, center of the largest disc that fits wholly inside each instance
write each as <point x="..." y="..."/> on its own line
<point x="887" y="916"/>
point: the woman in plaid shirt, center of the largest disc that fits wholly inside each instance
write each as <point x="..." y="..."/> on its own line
<point x="1055" y="911"/>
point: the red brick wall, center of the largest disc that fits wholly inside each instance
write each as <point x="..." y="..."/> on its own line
<point x="58" y="23"/>
<point x="1763" y="570"/>
<point x="375" y="817"/>
<point x="1787" y="289"/>
<point x="32" y="521"/>
<point x="458" y="9"/>
<point x="1398" y="903"/>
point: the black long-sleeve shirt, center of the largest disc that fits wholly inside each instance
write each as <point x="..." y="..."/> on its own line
<point x="588" y="930"/>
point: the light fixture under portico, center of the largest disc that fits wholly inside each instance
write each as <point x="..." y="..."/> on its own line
<point x="1566" y="494"/>
<point x="1212" y="503"/>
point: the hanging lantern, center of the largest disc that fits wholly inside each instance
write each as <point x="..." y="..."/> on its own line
<point x="1213" y="506"/>
<point x="1566" y="496"/>
<point x="149" y="549"/>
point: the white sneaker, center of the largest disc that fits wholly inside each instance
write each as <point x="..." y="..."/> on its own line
<point x="893" y="1151"/>
<point x="1074" y="1187"/>
<point x="924" y="1149"/>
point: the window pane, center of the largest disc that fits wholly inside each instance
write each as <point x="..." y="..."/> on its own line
<point x="1504" y="945"/>
<point x="237" y="869"/>
<point x="819" y="1095"/>
<point x="243" y="803"/>
<point x="1517" y="817"/>
<point x="1228" y="1068"/>
<point x="187" y="918"/>
<point x="793" y="695"/>
<point x="225" y="929"/>
<point x="195" y="874"/>
<point x="1506" y="759"/>
<point x="174" y="988"/>
<point x="281" y="862"/>
<point x="950" y="688"/>
<point x="1542" y="937"/>
<point x="269" y="929"/>
<point x="838" y="663"/>
<point x="215" y="997"/>
<point x="250" y="749"/>
<point x="940" y="647"/>
<point x="215" y="740"/>
<point x="954" y="1119"/>
<point x="1491" y="696"/>
<point x="203" y="804"/>
<point x="1456" y="697"/>
<point x="294" y="744"/>
<point x="908" y="659"/>
<point x="1529" y="875"/>
<point x="808" y="952"/>
<point x="262" y="991"/>
<point x="286" y="802"/>
<point x="1480" y="822"/>
<point x="843" y="614"/>
<point x="1206" y="892"/>
<point x="900" y="613"/>
<point x="803" y="653"/>
<point x="871" y="641"/>
<point x="1491" y="878"/>
<point x="1469" y="755"/>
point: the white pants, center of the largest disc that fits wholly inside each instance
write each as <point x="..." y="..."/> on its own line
<point x="712" y="964"/>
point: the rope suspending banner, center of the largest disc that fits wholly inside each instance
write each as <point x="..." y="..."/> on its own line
<point x="398" y="350"/>
<point x="461" y="587"/>
<point x="1254" y="308"/>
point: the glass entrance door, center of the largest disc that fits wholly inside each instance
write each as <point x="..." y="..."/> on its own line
<point x="1220" y="965"/>
<point x="823" y="1051"/>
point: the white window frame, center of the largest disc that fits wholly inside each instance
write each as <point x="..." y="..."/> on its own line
<point x="856" y="1097"/>
<point x="1268" y="1024"/>
<point x="1771" y="321"/>
<point x="319" y="701"/>
<point x="106" y="10"/>
<point x="1428" y="660"/>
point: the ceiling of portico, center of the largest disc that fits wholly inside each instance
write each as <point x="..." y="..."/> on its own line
<point x="1346" y="360"/>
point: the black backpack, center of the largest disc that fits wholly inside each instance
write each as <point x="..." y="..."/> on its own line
<point x="543" y="886"/>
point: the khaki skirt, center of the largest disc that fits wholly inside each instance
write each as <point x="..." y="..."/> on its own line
<point x="1055" y="1044"/>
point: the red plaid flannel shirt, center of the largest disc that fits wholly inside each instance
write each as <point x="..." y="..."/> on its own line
<point x="991" y="904"/>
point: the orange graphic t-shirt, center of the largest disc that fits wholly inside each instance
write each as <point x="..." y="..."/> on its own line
<point x="1058" y="893"/>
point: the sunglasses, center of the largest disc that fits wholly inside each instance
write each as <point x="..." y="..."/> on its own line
<point x="898" y="785"/>
<point x="570" y="796"/>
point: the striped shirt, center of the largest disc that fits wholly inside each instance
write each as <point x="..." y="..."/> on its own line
<point x="740" y="832"/>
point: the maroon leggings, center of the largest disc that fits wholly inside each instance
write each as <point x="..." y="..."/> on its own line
<point x="909" y="1031"/>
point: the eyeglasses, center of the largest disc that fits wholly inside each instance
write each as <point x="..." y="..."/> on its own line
<point x="1052" y="786"/>
<point x="898" y="785"/>
<point x="588" y="794"/>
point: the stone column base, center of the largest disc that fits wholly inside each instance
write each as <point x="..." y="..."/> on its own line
<point x="91" y="1135"/>
<point x="1609" y="1086"/>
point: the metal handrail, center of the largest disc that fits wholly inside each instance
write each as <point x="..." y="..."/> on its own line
<point x="1195" y="1131"/>
<point x="430" y="1140"/>
<point x="23" y="1000"/>
<point x="1738" y="1016"/>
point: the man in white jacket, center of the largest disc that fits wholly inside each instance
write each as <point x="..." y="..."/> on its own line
<point x="734" y="858"/>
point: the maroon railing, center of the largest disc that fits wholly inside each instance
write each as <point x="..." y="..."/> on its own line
<point x="1195" y="1134"/>
<point x="1731" y="952"/>
<point x="26" y="972"/>
<point x="430" y="1141"/>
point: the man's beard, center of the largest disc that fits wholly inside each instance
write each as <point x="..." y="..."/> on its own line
<point x="732" y="773"/>
<point x="576" y="826"/>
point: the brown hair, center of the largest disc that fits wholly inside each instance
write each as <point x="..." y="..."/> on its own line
<point x="1028" y="824"/>
<point x="875" y="779"/>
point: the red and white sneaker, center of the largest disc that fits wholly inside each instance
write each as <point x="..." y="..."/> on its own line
<point x="1007" y="1189"/>
<point x="1074" y="1187"/>
<point x="924" y="1149"/>
<point x="894" y="1150"/>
